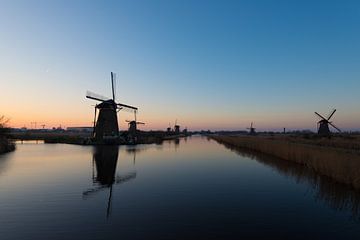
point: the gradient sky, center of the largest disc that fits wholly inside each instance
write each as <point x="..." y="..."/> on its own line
<point x="209" y="64"/>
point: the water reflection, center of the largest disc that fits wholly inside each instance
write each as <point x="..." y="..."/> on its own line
<point x="4" y="163"/>
<point x="105" y="160"/>
<point x="338" y="196"/>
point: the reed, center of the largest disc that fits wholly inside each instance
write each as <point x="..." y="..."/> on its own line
<point x="331" y="157"/>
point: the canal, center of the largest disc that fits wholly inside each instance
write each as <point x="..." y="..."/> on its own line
<point x="193" y="188"/>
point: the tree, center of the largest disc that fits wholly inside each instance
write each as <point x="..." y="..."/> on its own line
<point x="4" y="129"/>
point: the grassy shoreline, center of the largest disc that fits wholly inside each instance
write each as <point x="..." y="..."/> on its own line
<point x="151" y="137"/>
<point x="338" y="162"/>
<point x="6" y="145"/>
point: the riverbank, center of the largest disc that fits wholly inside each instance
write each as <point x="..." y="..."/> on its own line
<point x="337" y="158"/>
<point x="6" y="145"/>
<point x="142" y="137"/>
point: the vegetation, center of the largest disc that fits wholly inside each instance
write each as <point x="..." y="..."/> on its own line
<point x="337" y="158"/>
<point x="85" y="138"/>
<point x="5" y="144"/>
<point x="336" y="195"/>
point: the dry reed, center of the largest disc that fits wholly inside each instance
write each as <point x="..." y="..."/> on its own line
<point x="339" y="163"/>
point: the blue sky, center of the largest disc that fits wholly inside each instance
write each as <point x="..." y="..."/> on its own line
<point x="209" y="64"/>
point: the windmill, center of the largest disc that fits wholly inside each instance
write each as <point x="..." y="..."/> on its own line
<point x="106" y="126"/>
<point x="323" y="124"/>
<point x="176" y="128"/>
<point x="252" y="129"/>
<point x="185" y="131"/>
<point x="168" y="129"/>
<point x="133" y="125"/>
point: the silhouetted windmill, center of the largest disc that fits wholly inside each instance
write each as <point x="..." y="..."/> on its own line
<point x="106" y="126"/>
<point x="185" y="131"/>
<point x="176" y="128"/>
<point x="323" y="124"/>
<point x="133" y="125"/>
<point x="168" y="130"/>
<point x="251" y="129"/>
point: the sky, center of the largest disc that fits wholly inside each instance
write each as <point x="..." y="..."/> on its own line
<point x="209" y="64"/>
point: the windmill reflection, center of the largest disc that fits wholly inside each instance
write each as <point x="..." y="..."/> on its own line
<point x="105" y="159"/>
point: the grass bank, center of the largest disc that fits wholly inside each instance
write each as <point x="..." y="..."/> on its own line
<point x="331" y="157"/>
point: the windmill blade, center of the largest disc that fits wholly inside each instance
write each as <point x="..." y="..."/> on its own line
<point x="118" y="180"/>
<point x="124" y="106"/>
<point x="125" y="178"/>
<point x="91" y="191"/>
<point x="335" y="127"/>
<point x="113" y="85"/>
<point x="140" y="123"/>
<point x="320" y="116"/>
<point x="96" y="96"/>
<point x="331" y="114"/>
<point x="128" y="121"/>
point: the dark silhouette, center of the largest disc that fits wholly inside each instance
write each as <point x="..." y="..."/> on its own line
<point x="105" y="159"/>
<point x="106" y="128"/>
<point x="323" y="124"/>
<point x="6" y="145"/>
<point x="176" y="128"/>
<point x="251" y="129"/>
<point x="132" y="131"/>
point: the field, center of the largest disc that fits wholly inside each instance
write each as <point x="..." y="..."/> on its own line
<point x="337" y="157"/>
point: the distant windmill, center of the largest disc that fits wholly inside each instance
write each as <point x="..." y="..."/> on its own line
<point x="176" y="128"/>
<point x="251" y="129"/>
<point x="323" y="124"/>
<point x="185" y="130"/>
<point x="106" y="125"/>
<point x="133" y="125"/>
<point x="168" y="130"/>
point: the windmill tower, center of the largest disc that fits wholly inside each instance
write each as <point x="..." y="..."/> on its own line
<point x="251" y="129"/>
<point x="323" y="124"/>
<point x="176" y="128"/>
<point x="168" y="129"/>
<point x="185" y="131"/>
<point x="106" y="128"/>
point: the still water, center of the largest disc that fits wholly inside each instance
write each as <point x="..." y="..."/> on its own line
<point x="194" y="188"/>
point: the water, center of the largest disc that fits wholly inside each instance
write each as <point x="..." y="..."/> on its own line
<point x="191" y="189"/>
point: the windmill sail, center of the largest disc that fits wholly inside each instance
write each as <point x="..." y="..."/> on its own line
<point x="331" y="114"/>
<point x="113" y="85"/>
<point x="126" y="107"/>
<point x="96" y="96"/>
